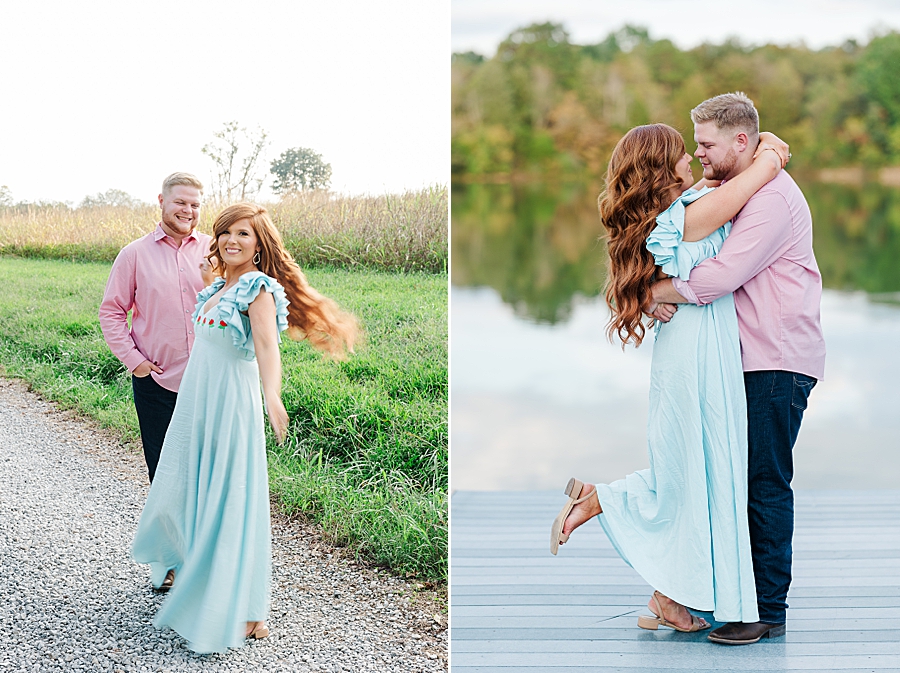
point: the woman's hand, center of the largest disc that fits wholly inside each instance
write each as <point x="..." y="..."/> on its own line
<point x="769" y="141"/>
<point x="703" y="182"/>
<point x="278" y="418"/>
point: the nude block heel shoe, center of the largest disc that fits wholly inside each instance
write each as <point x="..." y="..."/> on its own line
<point x="653" y="623"/>
<point x="557" y="537"/>
<point x="260" y="631"/>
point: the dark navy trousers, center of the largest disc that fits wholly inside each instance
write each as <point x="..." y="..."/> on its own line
<point x="154" y="405"/>
<point x="776" y="401"/>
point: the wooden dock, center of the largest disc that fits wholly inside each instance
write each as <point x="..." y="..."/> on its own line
<point x="515" y="607"/>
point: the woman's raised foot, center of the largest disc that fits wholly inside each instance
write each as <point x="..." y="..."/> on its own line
<point x="574" y="490"/>
<point x="583" y="511"/>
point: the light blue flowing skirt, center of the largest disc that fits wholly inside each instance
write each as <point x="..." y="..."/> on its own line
<point x="207" y="514"/>
<point x="682" y="524"/>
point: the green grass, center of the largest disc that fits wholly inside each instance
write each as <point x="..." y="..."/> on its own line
<point x="367" y="450"/>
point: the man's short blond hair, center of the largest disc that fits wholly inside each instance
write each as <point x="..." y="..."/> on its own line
<point x="185" y="179"/>
<point x="732" y="111"/>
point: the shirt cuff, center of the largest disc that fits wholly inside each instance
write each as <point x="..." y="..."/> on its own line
<point x="133" y="359"/>
<point x="682" y="288"/>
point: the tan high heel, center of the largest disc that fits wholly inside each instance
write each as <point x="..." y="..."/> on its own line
<point x="557" y="537"/>
<point x="260" y="631"/>
<point x="653" y="623"/>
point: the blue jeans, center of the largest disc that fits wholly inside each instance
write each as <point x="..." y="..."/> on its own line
<point x="776" y="401"/>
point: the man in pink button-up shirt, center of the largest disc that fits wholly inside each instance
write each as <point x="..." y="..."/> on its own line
<point x="767" y="261"/>
<point x="157" y="278"/>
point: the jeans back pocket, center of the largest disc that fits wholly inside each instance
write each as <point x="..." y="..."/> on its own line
<point x="800" y="391"/>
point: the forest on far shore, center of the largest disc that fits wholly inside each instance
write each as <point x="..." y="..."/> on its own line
<point x="545" y="106"/>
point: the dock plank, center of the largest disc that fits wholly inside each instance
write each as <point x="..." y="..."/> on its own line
<point x="514" y="607"/>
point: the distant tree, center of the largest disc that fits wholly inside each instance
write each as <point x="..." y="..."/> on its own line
<point x="878" y="76"/>
<point x="238" y="156"/>
<point x="111" y="197"/>
<point x="467" y="57"/>
<point x="300" y="168"/>
<point x="6" y="198"/>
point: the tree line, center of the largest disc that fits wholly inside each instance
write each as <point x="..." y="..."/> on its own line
<point x="543" y="105"/>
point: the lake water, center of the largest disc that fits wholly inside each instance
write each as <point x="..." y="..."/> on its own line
<point x="539" y="395"/>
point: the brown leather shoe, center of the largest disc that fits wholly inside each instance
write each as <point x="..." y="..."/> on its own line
<point x="738" y="633"/>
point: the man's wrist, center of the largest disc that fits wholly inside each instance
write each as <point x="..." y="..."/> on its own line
<point x="133" y="360"/>
<point x="664" y="292"/>
<point x="658" y="291"/>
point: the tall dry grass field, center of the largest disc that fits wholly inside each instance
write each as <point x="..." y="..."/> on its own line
<point x="403" y="232"/>
<point x="84" y="234"/>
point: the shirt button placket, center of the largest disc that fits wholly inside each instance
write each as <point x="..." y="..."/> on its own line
<point x="182" y="281"/>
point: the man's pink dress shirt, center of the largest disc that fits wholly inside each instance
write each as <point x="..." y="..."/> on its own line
<point x="158" y="282"/>
<point x="768" y="262"/>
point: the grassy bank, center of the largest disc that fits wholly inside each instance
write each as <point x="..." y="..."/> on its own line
<point x="367" y="451"/>
<point x="402" y="232"/>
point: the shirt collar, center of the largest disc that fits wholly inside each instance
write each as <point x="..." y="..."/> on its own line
<point x="160" y="234"/>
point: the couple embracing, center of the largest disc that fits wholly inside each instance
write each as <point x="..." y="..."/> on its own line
<point x="726" y="267"/>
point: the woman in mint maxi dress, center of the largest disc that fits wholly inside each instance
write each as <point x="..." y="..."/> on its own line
<point x="682" y="523"/>
<point x="207" y="514"/>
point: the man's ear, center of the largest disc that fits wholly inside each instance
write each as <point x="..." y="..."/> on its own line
<point x="160" y="200"/>
<point x="742" y="141"/>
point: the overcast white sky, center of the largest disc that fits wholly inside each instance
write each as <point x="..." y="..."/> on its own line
<point x="107" y="94"/>
<point x="480" y="25"/>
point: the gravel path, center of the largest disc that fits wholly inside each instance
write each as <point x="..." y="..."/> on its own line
<point x="71" y="598"/>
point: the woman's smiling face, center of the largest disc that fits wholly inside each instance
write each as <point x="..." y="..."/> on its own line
<point x="683" y="171"/>
<point x="238" y="244"/>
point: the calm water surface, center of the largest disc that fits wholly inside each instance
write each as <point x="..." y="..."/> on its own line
<point x="539" y="395"/>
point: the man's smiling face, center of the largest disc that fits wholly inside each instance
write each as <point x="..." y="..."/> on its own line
<point x="715" y="150"/>
<point x="180" y="210"/>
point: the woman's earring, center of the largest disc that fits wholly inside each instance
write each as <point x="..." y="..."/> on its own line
<point x="256" y="257"/>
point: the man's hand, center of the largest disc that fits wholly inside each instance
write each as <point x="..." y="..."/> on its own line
<point x="145" y="368"/>
<point x="664" y="300"/>
<point x="664" y="312"/>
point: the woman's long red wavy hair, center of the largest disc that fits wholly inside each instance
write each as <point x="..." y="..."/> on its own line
<point x="311" y="316"/>
<point x="640" y="183"/>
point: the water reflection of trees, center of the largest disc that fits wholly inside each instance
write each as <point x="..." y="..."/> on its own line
<point x="538" y="246"/>
<point x="857" y="236"/>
